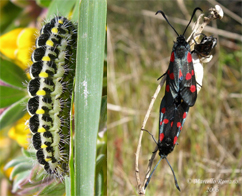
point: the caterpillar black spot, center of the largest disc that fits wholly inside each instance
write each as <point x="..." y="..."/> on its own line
<point x="50" y="89"/>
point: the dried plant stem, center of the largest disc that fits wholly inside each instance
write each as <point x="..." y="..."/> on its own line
<point x="202" y="22"/>
<point x="140" y="187"/>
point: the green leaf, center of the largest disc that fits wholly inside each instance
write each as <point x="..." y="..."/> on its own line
<point x="9" y="95"/>
<point x="12" y="74"/>
<point x="55" y="188"/>
<point x="19" y="178"/>
<point x="24" y="166"/>
<point x="89" y="77"/>
<point x="101" y="168"/>
<point x="105" y="82"/>
<point x="62" y="8"/>
<point x="103" y="114"/>
<point x="68" y="185"/>
<point x="99" y="185"/>
<point x="99" y="162"/>
<point x="43" y="3"/>
<point x="76" y="11"/>
<point x="14" y="162"/>
<point x="13" y="113"/>
<point x="71" y="154"/>
<point x="28" y="153"/>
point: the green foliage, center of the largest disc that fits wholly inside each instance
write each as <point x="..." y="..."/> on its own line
<point x="62" y="8"/>
<point x="13" y="113"/>
<point x="43" y="3"/>
<point x="11" y="74"/>
<point x="10" y="95"/>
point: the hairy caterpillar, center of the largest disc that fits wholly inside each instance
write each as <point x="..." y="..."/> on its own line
<point x="50" y="89"/>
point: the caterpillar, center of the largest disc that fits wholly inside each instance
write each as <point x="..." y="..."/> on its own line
<point x="50" y="90"/>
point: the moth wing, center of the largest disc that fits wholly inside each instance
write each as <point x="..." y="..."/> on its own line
<point x="188" y="88"/>
<point x="179" y="119"/>
<point x="166" y="115"/>
<point x="172" y="79"/>
<point x="165" y="141"/>
<point x="172" y="119"/>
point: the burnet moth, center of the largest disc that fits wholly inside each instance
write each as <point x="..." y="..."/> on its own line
<point x="172" y="119"/>
<point x="180" y="94"/>
<point x="180" y="78"/>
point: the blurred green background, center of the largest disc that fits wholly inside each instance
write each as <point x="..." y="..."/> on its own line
<point x="139" y="48"/>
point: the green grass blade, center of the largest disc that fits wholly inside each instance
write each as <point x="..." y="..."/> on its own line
<point x="71" y="153"/>
<point x="89" y="74"/>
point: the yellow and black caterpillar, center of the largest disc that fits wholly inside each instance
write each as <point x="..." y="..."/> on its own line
<point x="50" y="89"/>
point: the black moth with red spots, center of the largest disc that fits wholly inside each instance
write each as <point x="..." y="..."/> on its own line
<point x="180" y="95"/>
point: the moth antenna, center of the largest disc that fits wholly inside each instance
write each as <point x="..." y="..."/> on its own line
<point x="147" y="182"/>
<point x="150" y="134"/>
<point x="166" y="20"/>
<point x="176" y="183"/>
<point x="162" y="75"/>
<point x="194" y="11"/>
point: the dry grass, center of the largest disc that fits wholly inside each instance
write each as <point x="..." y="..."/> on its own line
<point x="209" y="147"/>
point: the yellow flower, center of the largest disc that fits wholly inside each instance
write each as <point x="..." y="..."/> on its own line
<point x="20" y="132"/>
<point x="18" y="45"/>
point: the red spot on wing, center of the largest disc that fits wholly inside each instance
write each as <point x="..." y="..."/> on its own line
<point x="180" y="74"/>
<point x="181" y="128"/>
<point x="171" y="76"/>
<point x="175" y="139"/>
<point x="161" y="122"/>
<point x="172" y="57"/>
<point x="165" y="121"/>
<point x="184" y="115"/>
<point x="192" y="72"/>
<point x="189" y="57"/>
<point x="167" y="88"/>
<point x="178" y="124"/>
<point x="163" y="110"/>
<point x="161" y="136"/>
<point x="171" y="123"/>
<point x="188" y="76"/>
<point x="168" y="72"/>
<point x="193" y="88"/>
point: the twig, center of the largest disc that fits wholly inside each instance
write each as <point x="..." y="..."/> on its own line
<point x="196" y="30"/>
<point x="140" y="187"/>
<point x="215" y="13"/>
